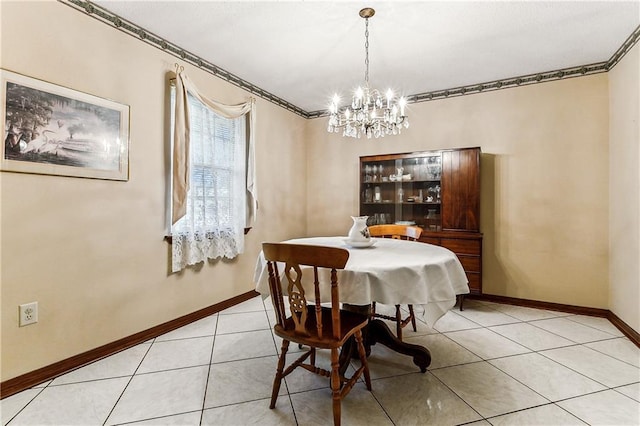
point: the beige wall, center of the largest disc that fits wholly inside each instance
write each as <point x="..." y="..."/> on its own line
<point x="91" y="252"/>
<point x="624" y="188"/>
<point x="544" y="210"/>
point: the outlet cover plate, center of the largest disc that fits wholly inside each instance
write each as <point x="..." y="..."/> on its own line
<point x="28" y="313"/>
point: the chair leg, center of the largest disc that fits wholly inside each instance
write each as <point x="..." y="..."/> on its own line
<point x="413" y="318"/>
<point x="398" y="322"/>
<point x="363" y="359"/>
<point x="461" y="301"/>
<point x="278" y="378"/>
<point x="335" y="385"/>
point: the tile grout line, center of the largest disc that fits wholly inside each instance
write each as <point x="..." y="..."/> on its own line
<point x="488" y="419"/>
<point x="206" y="383"/>
<point x="128" y="383"/>
<point x="575" y="371"/>
<point x="27" y="404"/>
<point x="460" y="397"/>
<point x="609" y="355"/>
<point x="596" y="328"/>
<point x="617" y="389"/>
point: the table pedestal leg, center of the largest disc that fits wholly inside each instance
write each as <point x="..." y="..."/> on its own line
<point x="378" y="332"/>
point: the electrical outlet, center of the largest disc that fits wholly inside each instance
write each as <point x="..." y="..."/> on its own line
<point x="28" y="313"/>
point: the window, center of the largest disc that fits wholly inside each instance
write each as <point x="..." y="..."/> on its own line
<point x="216" y="200"/>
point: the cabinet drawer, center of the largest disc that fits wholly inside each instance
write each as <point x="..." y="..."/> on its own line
<point x="475" y="282"/>
<point x="470" y="263"/>
<point x="462" y="246"/>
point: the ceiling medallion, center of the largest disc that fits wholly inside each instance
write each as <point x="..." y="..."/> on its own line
<point x="370" y="113"/>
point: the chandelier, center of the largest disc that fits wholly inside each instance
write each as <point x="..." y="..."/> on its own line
<point x="370" y="113"/>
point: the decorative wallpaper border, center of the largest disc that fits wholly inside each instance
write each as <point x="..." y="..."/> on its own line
<point x="542" y="77"/>
<point x="132" y="29"/>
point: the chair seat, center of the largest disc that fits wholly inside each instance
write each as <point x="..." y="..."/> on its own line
<point x="350" y="322"/>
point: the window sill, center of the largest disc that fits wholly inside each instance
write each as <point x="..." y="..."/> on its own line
<point x="169" y="238"/>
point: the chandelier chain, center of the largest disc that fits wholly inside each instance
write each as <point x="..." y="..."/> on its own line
<point x="366" y="49"/>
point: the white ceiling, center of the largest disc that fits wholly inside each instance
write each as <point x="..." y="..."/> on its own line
<point x="304" y="51"/>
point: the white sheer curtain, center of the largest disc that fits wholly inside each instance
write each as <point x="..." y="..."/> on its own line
<point x="213" y="182"/>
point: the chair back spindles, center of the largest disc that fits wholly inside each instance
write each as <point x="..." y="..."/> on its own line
<point x="275" y="289"/>
<point x="318" y="305"/>
<point x="335" y="304"/>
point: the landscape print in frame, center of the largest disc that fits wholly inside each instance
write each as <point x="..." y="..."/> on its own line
<point x="50" y="129"/>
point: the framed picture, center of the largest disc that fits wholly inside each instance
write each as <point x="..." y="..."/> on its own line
<point x="53" y="130"/>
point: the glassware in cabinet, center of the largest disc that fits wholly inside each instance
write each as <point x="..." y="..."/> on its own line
<point x="402" y="189"/>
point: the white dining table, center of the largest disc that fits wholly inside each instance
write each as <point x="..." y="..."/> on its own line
<point x="390" y="272"/>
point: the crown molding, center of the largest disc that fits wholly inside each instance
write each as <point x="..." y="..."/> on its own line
<point x="140" y="33"/>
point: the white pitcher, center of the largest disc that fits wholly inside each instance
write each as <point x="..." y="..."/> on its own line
<point x="359" y="231"/>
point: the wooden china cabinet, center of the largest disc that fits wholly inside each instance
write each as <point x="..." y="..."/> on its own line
<point x="438" y="191"/>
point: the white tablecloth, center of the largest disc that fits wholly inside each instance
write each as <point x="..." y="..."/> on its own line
<point x="390" y="272"/>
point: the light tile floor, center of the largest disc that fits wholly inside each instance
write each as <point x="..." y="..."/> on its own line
<point x="491" y="364"/>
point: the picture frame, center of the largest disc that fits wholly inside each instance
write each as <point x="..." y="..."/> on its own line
<point x="53" y="130"/>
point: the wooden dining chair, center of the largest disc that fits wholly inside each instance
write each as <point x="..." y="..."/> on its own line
<point x="401" y="232"/>
<point x="313" y="325"/>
